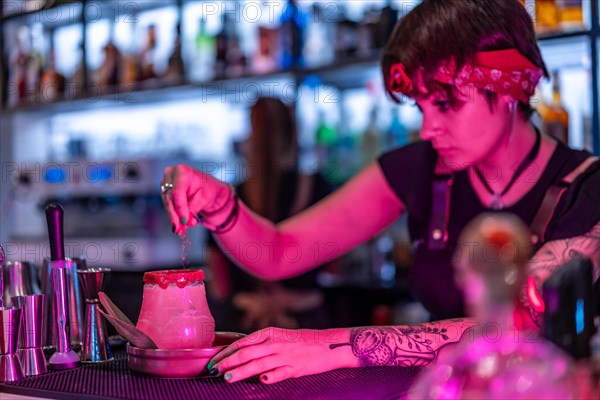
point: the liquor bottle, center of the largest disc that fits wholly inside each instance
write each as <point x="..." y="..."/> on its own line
<point x="546" y="16"/>
<point x="147" y="54"/>
<point x="264" y="59"/>
<point x="175" y="66"/>
<point x="570" y="14"/>
<point x="371" y="141"/>
<point x="34" y="66"/>
<point x="221" y="43"/>
<point x="346" y="35"/>
<point x="109" y="72"/>
<point x="292" y="27"/>
<point x="555" y="118"/>
<point x="17" y="69"/>
<point x="325" y="139"/>
<point x="52" y="83"/>
<point x="396" y="134"/>
<point x="203" y="68"/>
<point x="320" y="36"/>
<point x="490" y="366"/>
<point x="387" y="21"/>
<point x="230" y="59"/>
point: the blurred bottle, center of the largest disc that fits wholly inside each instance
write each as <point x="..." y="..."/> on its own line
<point x="230" y="59"/>
<point x="554" y="116"/>
<point x="320" y="36"/>
<point x="367" y="32"/>
<point x="34" y="65"/>
<point x="508" y="363"/>
<point x="221" y="43"/>
<point x="52" y="83"/>
<point x="147" y="54"/>
<point x="175" y="66"/>
<point x="325" y="139"/>
<point x="203" y="64"/>
<point x="346" y="35"/>
<point x="387" y="21"/>
<point x="371" y="140"/>
<point x="292" y="28"/>
<point x="396" y="135"/>
<point x="265" y="56"/>
<point x="109" y="73"/>
<point x="546" y="16"/>
<point x="570" y="14"/>
<point x="17" y="76"/>
<point x="77" y="84"/>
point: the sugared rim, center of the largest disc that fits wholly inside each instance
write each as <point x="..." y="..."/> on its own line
<point x="179" y="277"/>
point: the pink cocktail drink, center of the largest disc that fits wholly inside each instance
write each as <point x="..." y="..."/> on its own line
<point x="174" y="311"/>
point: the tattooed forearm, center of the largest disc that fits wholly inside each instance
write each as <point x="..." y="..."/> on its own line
<point x="416" y="345"/>
<point x="553" y="255"/>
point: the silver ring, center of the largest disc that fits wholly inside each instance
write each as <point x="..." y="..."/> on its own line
<point x="165" y="188"/>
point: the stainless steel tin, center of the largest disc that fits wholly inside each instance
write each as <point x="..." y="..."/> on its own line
<point x="177" y="363"/>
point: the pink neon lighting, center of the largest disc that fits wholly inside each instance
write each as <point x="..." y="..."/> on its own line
<point x="534" y="297"/>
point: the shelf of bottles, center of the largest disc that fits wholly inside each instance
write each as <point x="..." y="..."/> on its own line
<point x="81" y="61"/>
<point x="93" y="49"/>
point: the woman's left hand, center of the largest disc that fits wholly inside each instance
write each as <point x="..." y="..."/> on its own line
<point x="277" y="354"/>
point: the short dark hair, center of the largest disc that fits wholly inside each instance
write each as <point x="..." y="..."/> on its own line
<point x="437" y="31"/>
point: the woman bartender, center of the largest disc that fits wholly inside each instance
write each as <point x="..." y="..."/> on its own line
<point x="471" y="68"/>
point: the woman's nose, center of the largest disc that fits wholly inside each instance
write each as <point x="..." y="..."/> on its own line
<point x="428" y="130"/>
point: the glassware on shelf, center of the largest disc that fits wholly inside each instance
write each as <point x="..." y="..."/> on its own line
<point x="230" y="59"/>
<point x="264" y="59"/>
<point x="371" y="139"/>
<point x="546" y="16"/>
<point x="346" y="35"/>
<point x="174" y="310"/>
<point x="52" y="83"/>
<point x="146" y="56"/>
<point x="325" y="139"/>
<point x="554" y="116"/>
<point x="291" y="36"/>
<point x="396" y="134"/>
<point x="320" y="36"/>
<point x="175" y="66"/>
<point x="204" y="56"/>
<point x="570" y="14"/>
<point x="109" y="73"/>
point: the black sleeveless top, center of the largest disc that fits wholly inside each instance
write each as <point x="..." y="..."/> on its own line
<point x="410" y="170"/>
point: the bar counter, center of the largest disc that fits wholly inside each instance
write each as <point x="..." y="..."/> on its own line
<point x="114" y="380"/>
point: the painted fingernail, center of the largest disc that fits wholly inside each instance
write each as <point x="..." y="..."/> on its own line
<point x="228" y="377"/>
<point x="264" y="378"/>
<point x="183" y="220"/>
<point x="211" y="365"/>
<point x="213" y="372"/>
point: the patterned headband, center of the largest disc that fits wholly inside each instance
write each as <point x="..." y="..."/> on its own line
<point x="505" y="72"/>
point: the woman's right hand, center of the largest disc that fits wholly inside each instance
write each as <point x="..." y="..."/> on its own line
<point x="189" y="191"/>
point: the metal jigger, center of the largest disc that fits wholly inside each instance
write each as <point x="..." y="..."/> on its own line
<point x="31" y="352"/>
<point x="10" y="365"/>
<point x="95" y="345"/>
<point x="64" y="358"/>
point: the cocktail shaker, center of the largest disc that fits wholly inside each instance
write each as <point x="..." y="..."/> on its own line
<point x="64" y="358"/>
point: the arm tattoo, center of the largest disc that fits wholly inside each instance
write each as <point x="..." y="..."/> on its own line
<point x="553" y="255"/>
<point x="407" y="346"/>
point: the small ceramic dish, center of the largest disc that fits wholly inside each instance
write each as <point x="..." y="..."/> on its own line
<point x="177" y="363"/>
